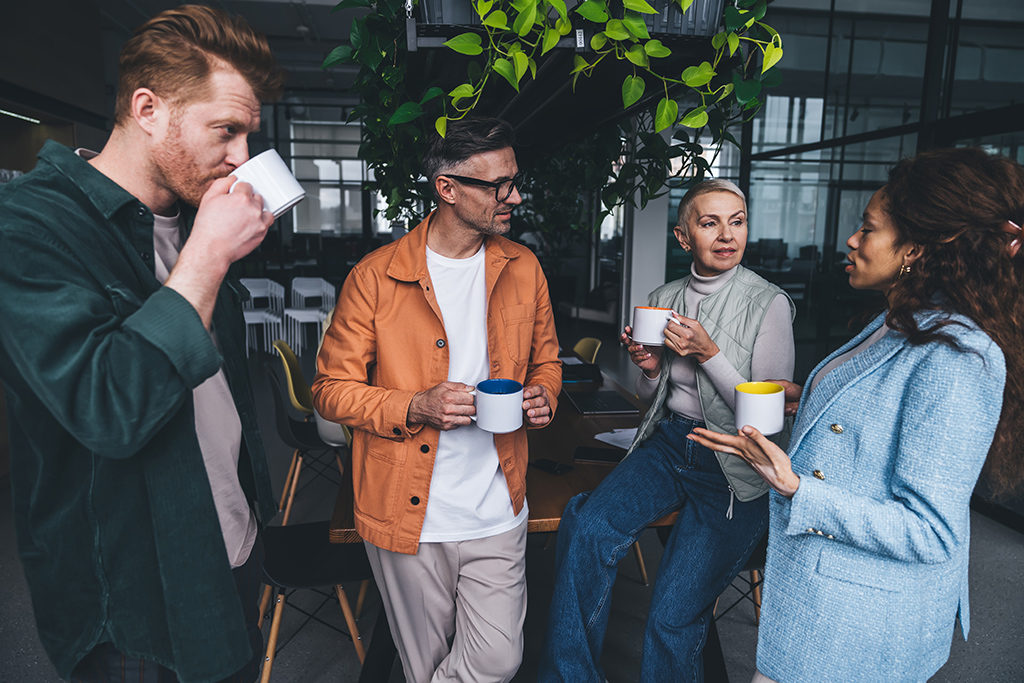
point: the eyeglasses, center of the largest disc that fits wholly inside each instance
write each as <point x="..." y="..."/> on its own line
<point x="502" y="188"/>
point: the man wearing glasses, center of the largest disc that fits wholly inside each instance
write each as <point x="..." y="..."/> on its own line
<point x="440" y="503"/>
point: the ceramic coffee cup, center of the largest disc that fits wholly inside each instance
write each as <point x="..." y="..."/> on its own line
<point x="499" y="405"/>
<point x="761" y="405"/>
<point x="271" y="178"/>
<point x="649" y="325"/>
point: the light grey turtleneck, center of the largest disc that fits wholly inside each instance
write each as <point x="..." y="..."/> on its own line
<point x="773" y="355"/>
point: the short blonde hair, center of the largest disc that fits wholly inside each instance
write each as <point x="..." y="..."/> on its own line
<point x="174" y="53"/>
<point x="705" y="187"/>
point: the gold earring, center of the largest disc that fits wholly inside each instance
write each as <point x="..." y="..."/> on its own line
<point x="904" y="270"/>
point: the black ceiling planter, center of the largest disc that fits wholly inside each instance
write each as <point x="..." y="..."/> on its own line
<point x="547" y="113"/>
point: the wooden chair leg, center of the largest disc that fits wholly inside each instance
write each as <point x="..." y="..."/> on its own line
<point x="288" y="481"/>
<point x="275" y="628"/>
<point x="549" y="540"/>
<point x="341" y="468"/>
<point x="640" y="563"/>
<point x="357" y="640"/>
<point x="755" y="582"/>
<point x="291" y="493"/>
<point x="362" y="597"/>
<point x="268" y="592"/>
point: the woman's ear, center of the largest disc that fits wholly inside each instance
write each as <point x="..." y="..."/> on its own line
<point x="681" y="235"/>
<point x="911" y="255"/>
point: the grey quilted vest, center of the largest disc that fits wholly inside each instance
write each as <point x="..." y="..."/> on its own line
<point x="732" y="317"/>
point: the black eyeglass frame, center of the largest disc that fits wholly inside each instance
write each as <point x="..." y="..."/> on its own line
<point x="515" y="181"/>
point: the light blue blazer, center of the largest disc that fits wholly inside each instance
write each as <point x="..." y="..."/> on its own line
<point x="867" y="563"/>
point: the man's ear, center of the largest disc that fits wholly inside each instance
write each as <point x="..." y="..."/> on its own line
<point x="445" y="189"/>
<point x="149" y="110"/>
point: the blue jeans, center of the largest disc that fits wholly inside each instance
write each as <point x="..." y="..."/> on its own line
<point x="705" y="551"/>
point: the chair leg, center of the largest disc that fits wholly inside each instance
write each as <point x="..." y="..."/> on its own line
<point x="288" y="481"/>
<point x="275" y="628"/>
<point x="357" y="641"/>
<point x="549" y="540"/>
<point x="341" y="468"/>
<point x="362" y="597"/>
<point x="640" y="563"/>
<point x="755" y="582"/>
<point x="268" y="592"/>
<point x="291" y="493"/>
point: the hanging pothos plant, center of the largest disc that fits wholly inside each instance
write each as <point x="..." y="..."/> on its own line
<point x="398" y="115"/>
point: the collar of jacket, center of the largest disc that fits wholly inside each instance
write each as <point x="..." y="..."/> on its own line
<point x="409" y="262"/>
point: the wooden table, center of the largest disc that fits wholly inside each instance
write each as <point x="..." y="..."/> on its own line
<point x="547" y="494"/>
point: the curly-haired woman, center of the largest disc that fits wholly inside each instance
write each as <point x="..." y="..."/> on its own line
<point x="870" y="520"/>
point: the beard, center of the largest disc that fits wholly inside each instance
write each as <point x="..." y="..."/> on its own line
<point x="177" y="168"/>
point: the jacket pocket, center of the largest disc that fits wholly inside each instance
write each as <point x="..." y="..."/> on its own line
<point x="519" y="321"/>
<point x="377" y="485"/>
<point x="853" y="566"/>
<point x="124" y="301"/>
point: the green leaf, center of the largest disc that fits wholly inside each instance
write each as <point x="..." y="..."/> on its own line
<point x="734" y="43"/>
<point x="598" y="41"/>
<point x="497" y="19"/>
<point x="632" y="90"/>
<point x="615" y="30"/>
<point x="460" y="92"/>
<point x="533" y="68"/>
<point x="666" y="115"/>
<point x="771" y="78"/>
<point x="484" y="7"/>
<point x="465" y="44"/>
<point x="441" y="125"/>
<point x="526" y="19"/>
<point x="355" y="37"/>
<point x="521" y="62"/>
<point x="559" y="6"/>
<point x="718" y="40"/>
<point x="431" y="94"/>
<point x="697" y="76"/>
<point x="407" y="112"/>
<point x="351" y="4"/>
<point x="578" y="64"/>
<point x="696" y="118"/>
<point x="593" y="10"/>
<point x="726" y="90"/>
<point x="760" y="7"/>
<point x="634" y="23"/>
<point x="684" y="5"/>
<point x="504" y="68"/>
<point x="654" y="48"/>
<point x="745" y="90"/>
<point x="550" y="40"/>
<point x="637" y="55"/>
<point x="337" y="56"/>
<point x="563" y="26"/>
<point x="733" y="20"/>
<point x="772" y="55"/>
<point x="639" y="6"/>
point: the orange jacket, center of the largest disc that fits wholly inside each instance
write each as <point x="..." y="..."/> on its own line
<point x="386" y="342"/>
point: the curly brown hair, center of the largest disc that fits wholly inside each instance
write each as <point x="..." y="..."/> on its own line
<point x="173" y="54"/>
<point x="956" y="205"/>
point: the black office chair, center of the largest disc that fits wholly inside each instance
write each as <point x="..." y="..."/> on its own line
<point x="302" y="556"/>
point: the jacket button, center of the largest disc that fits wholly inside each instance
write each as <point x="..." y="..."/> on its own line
<point x="810" y="530"/>
<point x="397" y="431"/>
<point x="145" y="256"/>
<point x="424" y="448"/>
<point x="819" y="532"/>
<point x="831" y="537"/>
<point x="818" y="475"/>
<point x="837" y="429"/>
<point x="415" y="500"/>
<point x="141" y="211"/>
<point x="440" y="343"/>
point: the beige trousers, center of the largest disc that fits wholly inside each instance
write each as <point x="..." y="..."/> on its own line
<point x="456" y="609"/>
<point x="760" y="678"/>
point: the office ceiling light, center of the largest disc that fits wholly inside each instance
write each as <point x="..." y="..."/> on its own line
<point x="19" y="116"/>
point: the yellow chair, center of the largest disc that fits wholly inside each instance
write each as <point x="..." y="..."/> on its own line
<point x="586" y="348"/>
<point x="298" y="391"/>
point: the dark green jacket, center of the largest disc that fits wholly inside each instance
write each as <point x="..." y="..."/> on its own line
<point x="116" y="524"/>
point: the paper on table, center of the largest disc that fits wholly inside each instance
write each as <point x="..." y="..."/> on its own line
<point x="618" y="437"/>
<point x="570" y="360"/>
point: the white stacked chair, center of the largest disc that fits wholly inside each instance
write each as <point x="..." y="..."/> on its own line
<point x="267" y="318"/>
<point x="304" y="289"/>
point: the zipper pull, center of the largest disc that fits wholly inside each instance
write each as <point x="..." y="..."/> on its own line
<point x="732" y="497"/>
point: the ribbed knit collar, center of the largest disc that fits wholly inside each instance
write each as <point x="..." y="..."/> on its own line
<point x="709" y="285"/>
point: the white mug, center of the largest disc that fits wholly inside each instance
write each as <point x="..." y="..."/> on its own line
<point x="649" y="325"/>
<point x="271" y="178"/>
<point x="762" y="405"/>
<point x="499" y="405"/>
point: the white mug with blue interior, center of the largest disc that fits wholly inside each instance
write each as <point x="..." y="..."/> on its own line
<point x="499" y="405"/>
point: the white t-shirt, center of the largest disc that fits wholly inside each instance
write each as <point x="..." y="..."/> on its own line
<point x="217" y="423"/>
<point x="469" y="496"/>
